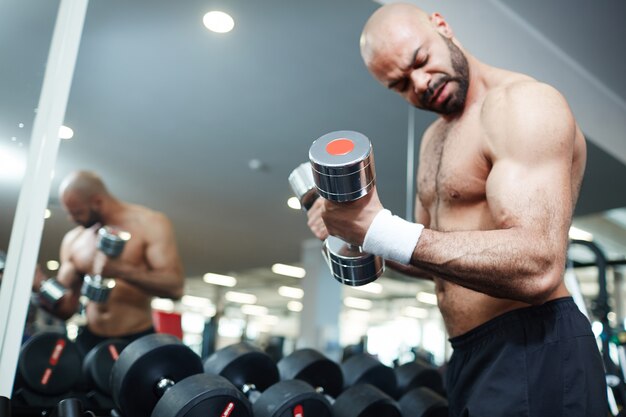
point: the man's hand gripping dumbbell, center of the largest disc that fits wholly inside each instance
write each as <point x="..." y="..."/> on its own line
<point x="341" y="170"/>
<point x="110" y="243"/>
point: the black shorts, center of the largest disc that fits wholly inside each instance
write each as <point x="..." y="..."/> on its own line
<point x="538" y="361"/>
<point x="86" y="340"/>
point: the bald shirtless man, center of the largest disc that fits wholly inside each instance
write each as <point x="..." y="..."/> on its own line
<point x="498" y="179"/>
<point x="148" y="266"/>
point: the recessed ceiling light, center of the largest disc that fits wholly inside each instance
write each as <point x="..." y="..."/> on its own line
<point x="52" y="265"/>
<point x="66" y="132"/>
<point x="216" y="279"/>
<point x="294" y="203"/>
<point x="254" y="310"/>
<point x="295" y="306"/>
<point x="427" y="298"/>
<point x="291" y="292"/>
<point x="288" y="270"/>
<point x="240" y="297"/>
<point x="219" y="22"/>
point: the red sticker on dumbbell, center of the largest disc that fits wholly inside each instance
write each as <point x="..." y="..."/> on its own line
<point x="56" y="352"/>
<point x="341" y="146"/>
<point x="46" y="376"/>
<point x="298" y="411"/>
<point x="229" y="409"/>
<point x="113" y="352"/>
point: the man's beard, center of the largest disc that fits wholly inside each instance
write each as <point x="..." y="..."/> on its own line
<point x="456" y="101"/>
<point x="94" y="217"/>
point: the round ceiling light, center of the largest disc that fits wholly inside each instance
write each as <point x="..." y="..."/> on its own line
<point x="219" y="22"/>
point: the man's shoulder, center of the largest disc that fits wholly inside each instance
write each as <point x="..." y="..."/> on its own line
<point x="518" y="93"/>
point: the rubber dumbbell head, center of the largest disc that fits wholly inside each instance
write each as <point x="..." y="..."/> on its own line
<point x="303" y="185"/>
<point x="361" y="400"/>
<point x="256" y="374"/>
<point x="49" y="364"/>
<point x="112" y="240"/>
<point x="96" y="288"/>
<point x="158" y="376"/>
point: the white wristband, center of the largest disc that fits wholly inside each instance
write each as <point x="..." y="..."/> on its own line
<point x="392" y="237"/>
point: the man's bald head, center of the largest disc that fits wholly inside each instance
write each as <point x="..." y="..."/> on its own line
<point x="83" y="193"/>
<point x="83" y="184"/>
<point x="389" y="23"/>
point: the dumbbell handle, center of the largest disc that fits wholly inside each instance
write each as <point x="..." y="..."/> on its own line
<point x="163" y="385"/>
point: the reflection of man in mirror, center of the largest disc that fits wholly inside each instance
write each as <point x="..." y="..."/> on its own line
<point x="30" y="326"/>
<point x="148" y="265"/>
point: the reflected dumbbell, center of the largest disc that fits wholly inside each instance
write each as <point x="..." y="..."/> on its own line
<point x="342" y="170"/>
<point x="256" y="374"/>
<point x="360" y="400"/>
<point x="111" y="242"/>
<point x="48" y="366"/>
<point x="158" y="376"/>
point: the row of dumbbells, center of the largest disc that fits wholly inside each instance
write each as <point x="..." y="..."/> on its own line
<point x="51" y="368"/>
<point x="159" y="376"/>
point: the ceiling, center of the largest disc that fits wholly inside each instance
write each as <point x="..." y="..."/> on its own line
<point x="207" y="127"/>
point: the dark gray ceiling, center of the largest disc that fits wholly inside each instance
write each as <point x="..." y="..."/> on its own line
<point x="171" y="114"/>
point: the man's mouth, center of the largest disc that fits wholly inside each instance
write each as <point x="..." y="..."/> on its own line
<point x="436" y="94"/>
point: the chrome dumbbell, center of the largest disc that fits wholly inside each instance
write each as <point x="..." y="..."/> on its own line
<point x="341" y="169"/>
<point x="111" y="242"/>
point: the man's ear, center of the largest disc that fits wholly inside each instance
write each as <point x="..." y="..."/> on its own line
<point x="441" y="25"/>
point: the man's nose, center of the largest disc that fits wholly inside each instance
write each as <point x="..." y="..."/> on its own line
<point x="421" y="81"/>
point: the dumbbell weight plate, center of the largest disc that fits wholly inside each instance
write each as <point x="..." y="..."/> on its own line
<point x="364" y="368"/>
<point x="349" y="264"/>
<point x="243" y="363"/>
<point x="49" y="363"/>
<point x="343" y="165"/>
<point x="303" y="186"/>
<point x="365" y="400"/>
<point x="423" y="402"/>
<point x="418" y="374"/>
<point x="313" y="367"/>
<point x="99" y="361"/>
<point x="142" y="364"/>
<point x="292" y="398"/>
<point x="203" y="395"/>
<point x="112" y="240"/>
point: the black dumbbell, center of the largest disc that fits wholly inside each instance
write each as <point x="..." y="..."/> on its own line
<point x="97" y="366"/>
<point x="158" y="376"/>
<point x="419" y="374"/>
<point x="361" y="400"/>
<point x="404" y="383"/>
<point x="49" y="364"/>
<point x="111" y="242"/>
<point x="342" y="164"/>
<point x="256" y="374"/>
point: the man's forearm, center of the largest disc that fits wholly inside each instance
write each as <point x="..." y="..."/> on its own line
<point x="506" y="263"/>
<point x="167" y="284"/>
<point x="409" y="270"/>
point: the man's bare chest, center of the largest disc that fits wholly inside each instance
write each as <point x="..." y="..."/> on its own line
<point x="83" y="251"/>
<point x="453" y="168"/>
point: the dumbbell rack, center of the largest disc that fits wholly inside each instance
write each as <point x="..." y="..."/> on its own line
<point x="616" y="373"/>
